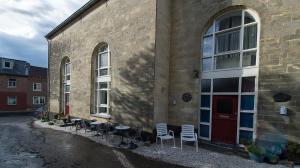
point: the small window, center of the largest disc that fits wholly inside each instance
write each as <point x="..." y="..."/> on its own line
<point x="12" y="100"/>
<point x="228" y="41"/>
<point x="248" y="18"/>
<point x="227" y="61"/>
<point x="37" y="87"/>
<point x="246" y="120"/>
<point x="204" y="130"/>
<point x="249" y="58"/>
<point x="7" y="64"/>
<point x="67" y="72"/>
<point x="247" y="102"/>
<point x="248" y="84"/>
<point x="226" y="85"/>
<point x="208" y="47"/>
<point x="38" y="100"/>
<point x="246" y="136"/>
<point x="103" y="60"/>
<point x="12" y="83"/>
<point x="228" y="21"/>
<point x="67" y="88"/>
<point x="206" y="64"/>
<point x="205" y="85"/>
<point x="205" y="116"/>
<point x="250" y="37"/>
<point x="205" y="101"/>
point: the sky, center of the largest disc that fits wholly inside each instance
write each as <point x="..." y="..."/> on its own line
<point x="24" y="23"/>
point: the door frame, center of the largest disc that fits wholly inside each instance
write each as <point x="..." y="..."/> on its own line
<point x="66" y="107"/>
<point x="233" y="116"/>
<point x="247" y="72"/>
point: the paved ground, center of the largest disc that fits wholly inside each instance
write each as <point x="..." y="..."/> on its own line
<point x="187" y="157"/>
<point x="22" y="145"/>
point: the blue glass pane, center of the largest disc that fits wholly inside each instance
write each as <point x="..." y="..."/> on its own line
<point x="247" y="102"/>
<point x="246" y="120"/>
<point x="245" y="136"/>
<point x="204" y="131"/>
<point x="204" y="115"/>
<point x="205" y="101"/>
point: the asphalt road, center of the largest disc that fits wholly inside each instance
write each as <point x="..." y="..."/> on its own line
<point x="24" y="146"/>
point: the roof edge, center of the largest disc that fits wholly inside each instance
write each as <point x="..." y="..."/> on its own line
<point x="71" y="18"/>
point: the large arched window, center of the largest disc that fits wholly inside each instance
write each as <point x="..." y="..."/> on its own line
<point x="230" y="42"/>
<point x="102" y="81"/>
<point x="229" y="78"/>
<point x="66" y="84"/>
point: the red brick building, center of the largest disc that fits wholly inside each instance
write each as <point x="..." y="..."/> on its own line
<point x="22" y="87"/>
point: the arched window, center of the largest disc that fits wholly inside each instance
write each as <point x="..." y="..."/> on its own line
<point x="230" y="42"/>
<point x="66" y="84"/>
<point x="229" y="78"/>
<point x="102" y="81"/>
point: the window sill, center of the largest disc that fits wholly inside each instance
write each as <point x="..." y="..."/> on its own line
<point x="102" y="115"/>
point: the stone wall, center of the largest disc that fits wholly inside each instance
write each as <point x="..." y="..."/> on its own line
<point x="156" y="50"/>
<point x="128" y="27"/>
<point x="279" y="59"/>
<point x="162" y="57"/>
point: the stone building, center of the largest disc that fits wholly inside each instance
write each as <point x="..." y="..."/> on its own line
<point x="230" y="67"/>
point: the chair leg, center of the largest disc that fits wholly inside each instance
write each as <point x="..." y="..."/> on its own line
<point x="181" y="144"/>
<point x="196" y="145"/>
<point x="174" y="141"/>
<point x="161" y="143"/>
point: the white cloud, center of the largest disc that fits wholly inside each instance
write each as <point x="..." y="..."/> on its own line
<point x="25" y="22"/>
<point x="23" y="17"/>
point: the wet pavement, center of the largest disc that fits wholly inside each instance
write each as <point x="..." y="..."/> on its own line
<point x="24" y="146"/>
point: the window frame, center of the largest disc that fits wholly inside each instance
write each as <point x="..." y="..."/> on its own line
<point x="37" y="89"/>
<point x="241" y="51"/>
<point x="10" y="82"/>
<point x="98" y="79"/>
<point x="240" y="72"/>
<point x="10" y="64"/>
<point x="39" y="100"/>
<point x="67" y="74"/>
<point x="66" y="82"/>
<point x="8" y="100"/>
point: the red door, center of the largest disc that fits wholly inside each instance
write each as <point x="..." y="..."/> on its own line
<point x="67" y="101"/>
<point x="224" y="119"/>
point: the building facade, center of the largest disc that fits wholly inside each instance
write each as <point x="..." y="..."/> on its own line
<point x="229" y="67"/>
<point x="22" y="87"/>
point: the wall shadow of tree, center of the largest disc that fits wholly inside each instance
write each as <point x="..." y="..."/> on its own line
<point x="132" y="102"/>
<point x="274" y="125"/>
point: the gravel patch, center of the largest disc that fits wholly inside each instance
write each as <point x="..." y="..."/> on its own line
<point x="186" y="157"/>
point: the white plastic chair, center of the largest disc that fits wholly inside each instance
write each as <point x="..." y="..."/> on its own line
<point x="163" y="133"/>
<point x="188" y="134"/>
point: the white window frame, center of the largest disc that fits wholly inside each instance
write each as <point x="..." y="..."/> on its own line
<point x="240" y="72"/>
<point x="66" y="83"/>
<point x="8" y="100"/>
<point x="12" y="82"/>
<point x="241" y="38"/>
<point x="35" y="87"/>
<point x="39" y="100"/>
<point x="67" y="74"/>
<point x="10" y="64"/>
<point x="102" y="79"/>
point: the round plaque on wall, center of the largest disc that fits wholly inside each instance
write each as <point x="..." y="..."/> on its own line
<point x="186" y="97"/>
